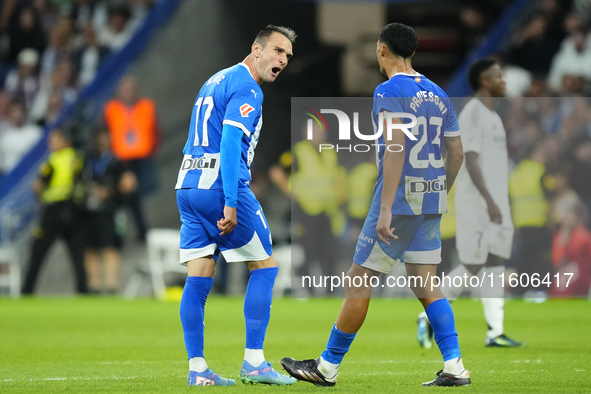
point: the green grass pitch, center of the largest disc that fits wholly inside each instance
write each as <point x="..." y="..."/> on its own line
<point x="102" y="345"/>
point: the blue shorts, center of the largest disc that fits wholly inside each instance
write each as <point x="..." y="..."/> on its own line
<point x="419" y="242"/>
<point x="200" y="210"/>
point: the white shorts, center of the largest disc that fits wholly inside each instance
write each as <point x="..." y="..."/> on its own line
<point x="477" y="236"/>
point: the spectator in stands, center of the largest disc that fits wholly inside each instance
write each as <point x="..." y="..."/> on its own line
<point x="534" y="45"/>
<point x="59" y="190"/>
<point x="555" y="12"/>
<point x="573" y="60"/>
<point x="576" y="122"/>
<point x="89" y="57"/>
<point x="83" y="12"/>
<point x="473" y="26"/>
<point x="529" y="208"/>
<point x="571" y="255"/>
<point x="59" y="84"/>
<point x="59" y="46"/>
<point x="538" y="87"/>
<point x="4" y="111"/>
<point x="573" y="23"/>
<point x="582" y="113"/>
<point x="580" y="157"/>
<point x="26" y="34"/>
<point x="22" y="83"/>
<point x="134" y="130"/>
<point x="46" y="13"/>
<point x="524" y="137"/>
<point x="583" y="8"/>
<point x="108" y="182"/>
<point x="17" y="139"/>
<point x="139" y="11"/>
<point x="564" y="197"/>
<point x="54" y="108"/>
<point x="554" y="150"/>
<point x="118" y="31"/>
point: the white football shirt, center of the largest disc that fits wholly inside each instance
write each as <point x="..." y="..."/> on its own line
<point x="483" y="133"/>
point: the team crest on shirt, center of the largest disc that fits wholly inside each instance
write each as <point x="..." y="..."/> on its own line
<point x="417" y="79"/>
<point x="245" y="109"/>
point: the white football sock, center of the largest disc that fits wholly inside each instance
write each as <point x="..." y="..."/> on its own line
<point x="494" y="311"/>
<point x="328" y="369"/>
<point x="197" y="364"/>
<point x="452" y="292"/>
<point x="455" y="366"/>
<point x="254" y="357"/>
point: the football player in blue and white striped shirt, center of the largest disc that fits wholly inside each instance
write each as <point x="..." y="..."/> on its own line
<point x="219" y="212"/>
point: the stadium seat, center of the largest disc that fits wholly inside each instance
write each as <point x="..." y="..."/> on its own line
<point x="163" y="258"/>
<point x="10" y="271"/>
<point x="282" y="255"/>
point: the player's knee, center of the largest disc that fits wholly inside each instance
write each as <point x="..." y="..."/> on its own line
<point x="358" y="270"/>
<point x="202" y="266"/>
<point x="357" y="282"/>
<point x="267" y="263"/>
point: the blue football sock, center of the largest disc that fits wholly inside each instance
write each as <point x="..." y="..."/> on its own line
<point x="337" y="346"/>
<point x="441" y="318"/>
<point x="257" y="305"/>
<point x="193" y="311"/>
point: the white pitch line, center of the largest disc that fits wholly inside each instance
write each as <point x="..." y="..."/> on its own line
<point x="416" y="373"/>
<point x="536" y="361"/>
<point x="74" y="378"/>
<point x="387" y="373"/>
<point x="401" y="361"/>
<point x="139" y="362"/>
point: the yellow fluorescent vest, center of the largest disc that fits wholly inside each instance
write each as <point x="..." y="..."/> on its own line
<point x="528" y="203"/>
<point x="62" y="167"/>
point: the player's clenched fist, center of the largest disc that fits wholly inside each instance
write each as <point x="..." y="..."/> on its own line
<point x="229" y="221"/>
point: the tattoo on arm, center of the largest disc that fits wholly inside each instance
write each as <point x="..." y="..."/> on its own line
<point x="451" y="139"/>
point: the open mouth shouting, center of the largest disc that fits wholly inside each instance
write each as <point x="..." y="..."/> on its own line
<point x="275" y="71"/>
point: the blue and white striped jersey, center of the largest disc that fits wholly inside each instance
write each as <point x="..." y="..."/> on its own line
<point x="423" y="187"/>
<point x="230" y="97"/>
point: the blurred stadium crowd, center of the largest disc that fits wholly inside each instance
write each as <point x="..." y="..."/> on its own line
<point x="547" y="67"/>
<point x="50" y="49"/>
<point x="547" y="116"/>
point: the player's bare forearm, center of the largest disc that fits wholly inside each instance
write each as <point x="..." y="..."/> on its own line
<point x="393" y="164"/>
<point x="476" y="175"/>
<point x="454" y="156"/>
<point x="392" y="169"/>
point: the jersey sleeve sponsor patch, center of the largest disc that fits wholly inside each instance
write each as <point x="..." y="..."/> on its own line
<point x="245" y="109"/>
